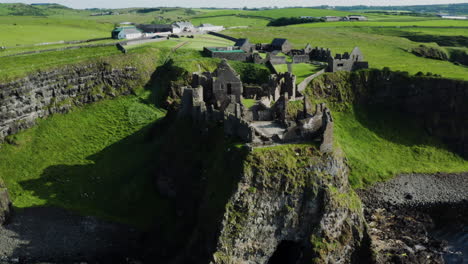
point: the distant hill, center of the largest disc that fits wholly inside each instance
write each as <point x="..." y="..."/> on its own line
<point x="446" y="8"/>
<point x="19" y="9"/>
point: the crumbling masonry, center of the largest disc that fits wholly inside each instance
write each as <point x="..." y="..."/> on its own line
<point x="273" y="119"/>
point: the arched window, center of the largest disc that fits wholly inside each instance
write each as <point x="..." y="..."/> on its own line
<point x="229" y="88"/>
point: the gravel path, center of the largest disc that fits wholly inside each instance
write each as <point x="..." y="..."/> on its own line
<point x="56" y="235"/>
<point x="421" y="190"/>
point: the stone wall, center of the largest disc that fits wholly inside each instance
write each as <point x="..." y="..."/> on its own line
<point x="236" y="56"/>
<point x="44" y="93"/>
<point x="223" y="36"/>
<point x="301" y="58"/>
<point x="277" y="59"/>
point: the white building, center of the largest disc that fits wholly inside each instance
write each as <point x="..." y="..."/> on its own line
<point x="183" y="26"/>
<point x="130" y="33"/>
<point x="210" y="27"/>
<point x="356" y="18"/>
<point x="455" y="17"/>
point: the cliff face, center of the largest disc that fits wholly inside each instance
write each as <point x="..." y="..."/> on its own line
<point x="5" y="205"/>
<point x="292" y="205"/>
<point x="45" y="93"/>
<point x="282" y="204"/>
<point x="436" y="104"/>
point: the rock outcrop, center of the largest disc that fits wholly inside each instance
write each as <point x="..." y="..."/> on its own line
<point x="291" y="206"/>
<point x="5" y="205"/>
<point x="45" y="93"/>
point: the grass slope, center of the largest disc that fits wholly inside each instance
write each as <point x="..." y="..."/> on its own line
<point x="25" y="30"/>
<point x="93" y="160"/>
<point x="380" y="145"/>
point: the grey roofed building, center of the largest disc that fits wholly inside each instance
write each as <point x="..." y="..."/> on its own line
<point x="281" y="44"/>
<point x="243" y="44"/>
<point x="148" y="28"/>
<point x="183" y="24"/>
<point x="357" y="18"/>
<point x="131" y="31"/>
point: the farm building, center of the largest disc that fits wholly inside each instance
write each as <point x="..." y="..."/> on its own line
<point x="332" y="18"/>
<point x="454" y="17"/>
<point x="126" y="33"/>
<point x="155" y="28"/>
<point x="356" y="18"/>
<point x="210" y="27"/>
<point x="244" y="45"/>
<point x="281" y="44"/>
<point x="182" y="26"/>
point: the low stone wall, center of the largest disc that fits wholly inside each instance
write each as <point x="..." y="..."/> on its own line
<point x="237" y="56"/>
<point x="222" y="36"/>
<point x="45" y="93"/>
<point x="301" y="87"/>
<point x="143" y="41"/>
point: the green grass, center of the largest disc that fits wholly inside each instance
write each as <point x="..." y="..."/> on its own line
<point x="408" y="23"/>
<point x="248" y="102"/>
<point x="381" y="51"/>
<point x="277" y="13"/>
<point x="93" y="160"/>
<point x="231" y="21"/>
<point x="18" y="66"/>
<point x="20" y="30"/>
<point x="301" y="70"/>
<point x="380" y="145"/>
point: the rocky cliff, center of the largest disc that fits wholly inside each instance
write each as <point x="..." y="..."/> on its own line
<point x="284" y="204"/>
<point x="292" y="205"/>
<point x="44" y="93"/>
<point x="437" y="104"/>
<point x="5" y="204"/>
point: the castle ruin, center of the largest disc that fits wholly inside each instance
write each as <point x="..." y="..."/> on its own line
<point x="280" y="114"/>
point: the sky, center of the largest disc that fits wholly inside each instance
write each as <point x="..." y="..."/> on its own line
<point x="230" y="4"/>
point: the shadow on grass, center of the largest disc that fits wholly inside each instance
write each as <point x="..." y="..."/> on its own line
<point x="446" y="41"/>
<point x="117" y="184"/>
<point x="394" y="126"/>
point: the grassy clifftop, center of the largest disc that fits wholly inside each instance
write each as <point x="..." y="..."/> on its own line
<point x="380" y="143"/>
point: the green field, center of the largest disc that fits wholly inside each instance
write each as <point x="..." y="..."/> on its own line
<point x="442" y="23"/>
<point x="231" y="21"/>
<point x="17" y="66"/>
<point x="301" y="70"/>
<point x="380" y="50"/>
<point x="33" y="30"/>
